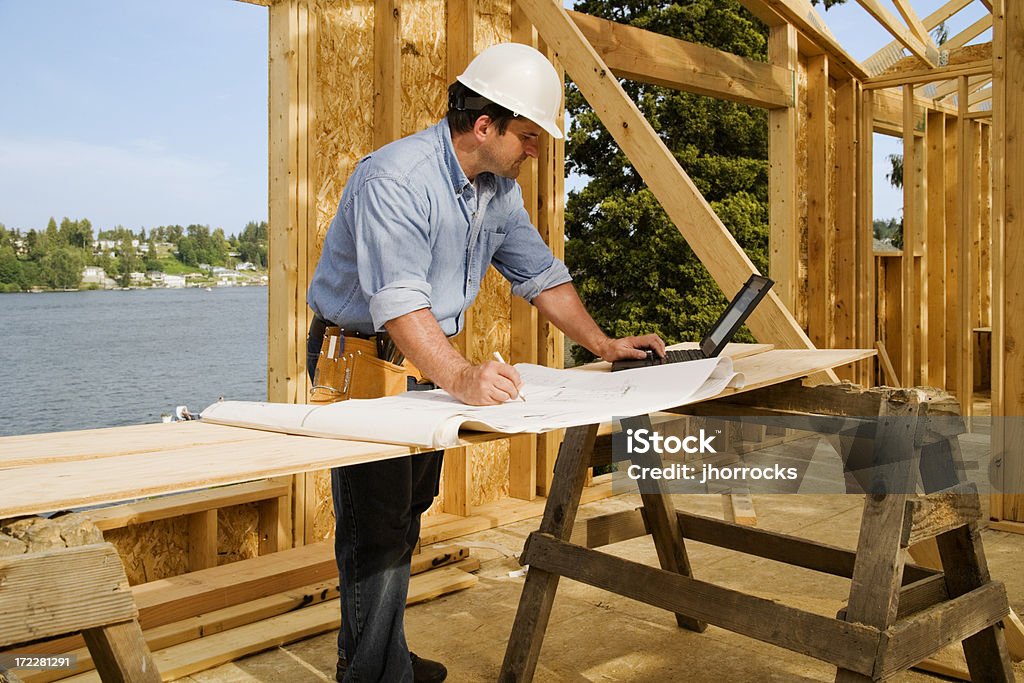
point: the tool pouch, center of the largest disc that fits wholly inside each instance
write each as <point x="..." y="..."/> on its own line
<point x="348" y="367"/>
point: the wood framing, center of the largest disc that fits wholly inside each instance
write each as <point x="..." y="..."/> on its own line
<point x="693" y="217"/>
<point x="649" y="57"/>
<point x="923" y="48"/>
<point x="783" y="220"/>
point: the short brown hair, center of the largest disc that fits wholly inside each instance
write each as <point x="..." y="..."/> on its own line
<point x="465" y="106"/>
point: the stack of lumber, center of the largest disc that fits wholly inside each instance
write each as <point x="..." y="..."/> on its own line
<point x="206" y="618"/>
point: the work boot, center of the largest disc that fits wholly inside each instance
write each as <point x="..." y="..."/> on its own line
<point x="423" y="670"/>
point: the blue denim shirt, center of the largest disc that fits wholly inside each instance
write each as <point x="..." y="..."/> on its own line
<point x="412" y="232"/>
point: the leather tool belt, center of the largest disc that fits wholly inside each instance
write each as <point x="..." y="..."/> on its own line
<point x="349" y="367"/>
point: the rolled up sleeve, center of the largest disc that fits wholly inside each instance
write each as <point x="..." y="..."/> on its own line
<point x="392" y="238"/>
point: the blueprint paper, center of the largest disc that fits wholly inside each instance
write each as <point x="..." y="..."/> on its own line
<point x="556" y="399"/>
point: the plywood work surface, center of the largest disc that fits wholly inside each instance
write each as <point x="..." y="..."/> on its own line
<point x="47" y="472"/>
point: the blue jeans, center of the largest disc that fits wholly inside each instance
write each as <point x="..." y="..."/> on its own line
<point x="377" y="508"/>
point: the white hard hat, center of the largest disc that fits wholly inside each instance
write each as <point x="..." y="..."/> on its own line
<point x="519" y="78"/>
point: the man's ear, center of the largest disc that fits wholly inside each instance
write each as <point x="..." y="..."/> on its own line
<point x="482" y="127"/>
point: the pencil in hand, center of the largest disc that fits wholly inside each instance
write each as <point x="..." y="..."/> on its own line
<point x="497" y="357"/>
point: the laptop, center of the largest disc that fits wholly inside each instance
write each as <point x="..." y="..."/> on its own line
<point x="721" y="333"/>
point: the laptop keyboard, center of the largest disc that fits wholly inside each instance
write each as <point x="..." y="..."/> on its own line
<point x="671" y="356"/>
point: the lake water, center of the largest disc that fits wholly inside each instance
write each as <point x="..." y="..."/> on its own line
<point x="79" y="360"/>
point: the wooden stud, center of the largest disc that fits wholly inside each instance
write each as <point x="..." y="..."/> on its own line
<point x="461" y="23"/>
<point x="935" y="246"/>
<point x="1008" y="256"/>
<point x="387" y="71"/>
<point x="963" y="322"/>
<point x="985" y="221"/>
<point x="866" y="282"/>
<point x="551" y="226"/>
<point x="202" y="540"/>
<point x="953" y="303"/>
<point x="523" y="449"/>
<point x="845" y="231"/>
<point x="819" y="208"/>
<point x="910" y="299"/>
<point x="784" y="240"/>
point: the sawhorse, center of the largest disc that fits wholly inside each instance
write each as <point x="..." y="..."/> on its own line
<point x="896" y="614"/>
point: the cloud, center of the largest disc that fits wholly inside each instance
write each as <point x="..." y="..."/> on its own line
<point x="139" y="184"/>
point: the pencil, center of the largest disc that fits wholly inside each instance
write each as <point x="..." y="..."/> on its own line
<point x="497" y="357"/>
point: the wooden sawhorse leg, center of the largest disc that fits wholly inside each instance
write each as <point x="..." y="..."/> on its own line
<point x="893" y="519"/>
<point x="539" y="590"/>
<point x="538" y="595"/>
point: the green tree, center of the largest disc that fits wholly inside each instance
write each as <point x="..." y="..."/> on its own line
<point x="632" y="267"/>
<point x="63" y="268"/>
<point x="10" y="269"/>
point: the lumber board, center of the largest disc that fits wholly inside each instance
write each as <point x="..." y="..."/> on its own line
<point x="913" y="21"/>
<point x="924" y="50"/>
<point x="849" y="645"/>
<point x="154" y="509"/>
<point x="120" y="653"/>
<point x="688" y="210"/>
<point x="911" y="201"/>
<point x="845" y="241"/>
<point x="283" y="174"/>
<point x="922" y="634"/>
<point x="966" y="289"/>
<point x="820" y="208"/>
<point x="952" y="249"/>
<point x="809" y="22"/>
<point x="935" y="245"/>
<point x="246" y="611"/>
<point x="41" y="597"/>
<point x="866" y="284"/>
<point x="928" y="516"/>
<point x="110" y="442"/>
<point x="930" y="22"/>
<point x="772" y="545"/>
<point x="208" y="624"/>
<point x="784" y="239"/>
<point x="387" y="71"/>
<point x="923" y="76"/>
<point x="650" y="57"/>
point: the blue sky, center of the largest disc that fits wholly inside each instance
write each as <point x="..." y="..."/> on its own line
<point x="150" y="112"/>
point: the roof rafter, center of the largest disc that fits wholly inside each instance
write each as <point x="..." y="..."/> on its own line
<point x="923" y="50"/>
<point x="913" y="21"/>
<point x="930" y="22"/>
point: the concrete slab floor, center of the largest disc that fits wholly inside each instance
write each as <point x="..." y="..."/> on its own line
<point x="596" y="636"/>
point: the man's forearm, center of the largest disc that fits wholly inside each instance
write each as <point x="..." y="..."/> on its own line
<point x="422" y="341"/>
<point x="563" y="307"/>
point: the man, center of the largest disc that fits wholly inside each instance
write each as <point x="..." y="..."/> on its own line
<point x="418" y="224"/>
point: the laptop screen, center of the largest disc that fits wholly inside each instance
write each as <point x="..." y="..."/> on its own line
<point x="739" y="308"/>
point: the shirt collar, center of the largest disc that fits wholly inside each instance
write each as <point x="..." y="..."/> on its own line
<point x="460" y="183"/>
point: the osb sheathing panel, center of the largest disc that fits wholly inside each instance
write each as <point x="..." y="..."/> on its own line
<point x="159" y="550"/>
<point x="238" y="536"/>
<point x="424" y="55"/>
<point x="343" y="135"/>
<point x="152" y="551"/>
<point x="343" y="100"/>
<point x="323" y="507"/>
<point x="801" y="190"/>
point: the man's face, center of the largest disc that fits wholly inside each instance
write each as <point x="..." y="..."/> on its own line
<point x="505" y="153"/>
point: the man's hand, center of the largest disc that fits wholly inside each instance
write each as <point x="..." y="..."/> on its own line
<point x="627" y="348"/>
<point x="487" y="384"/>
